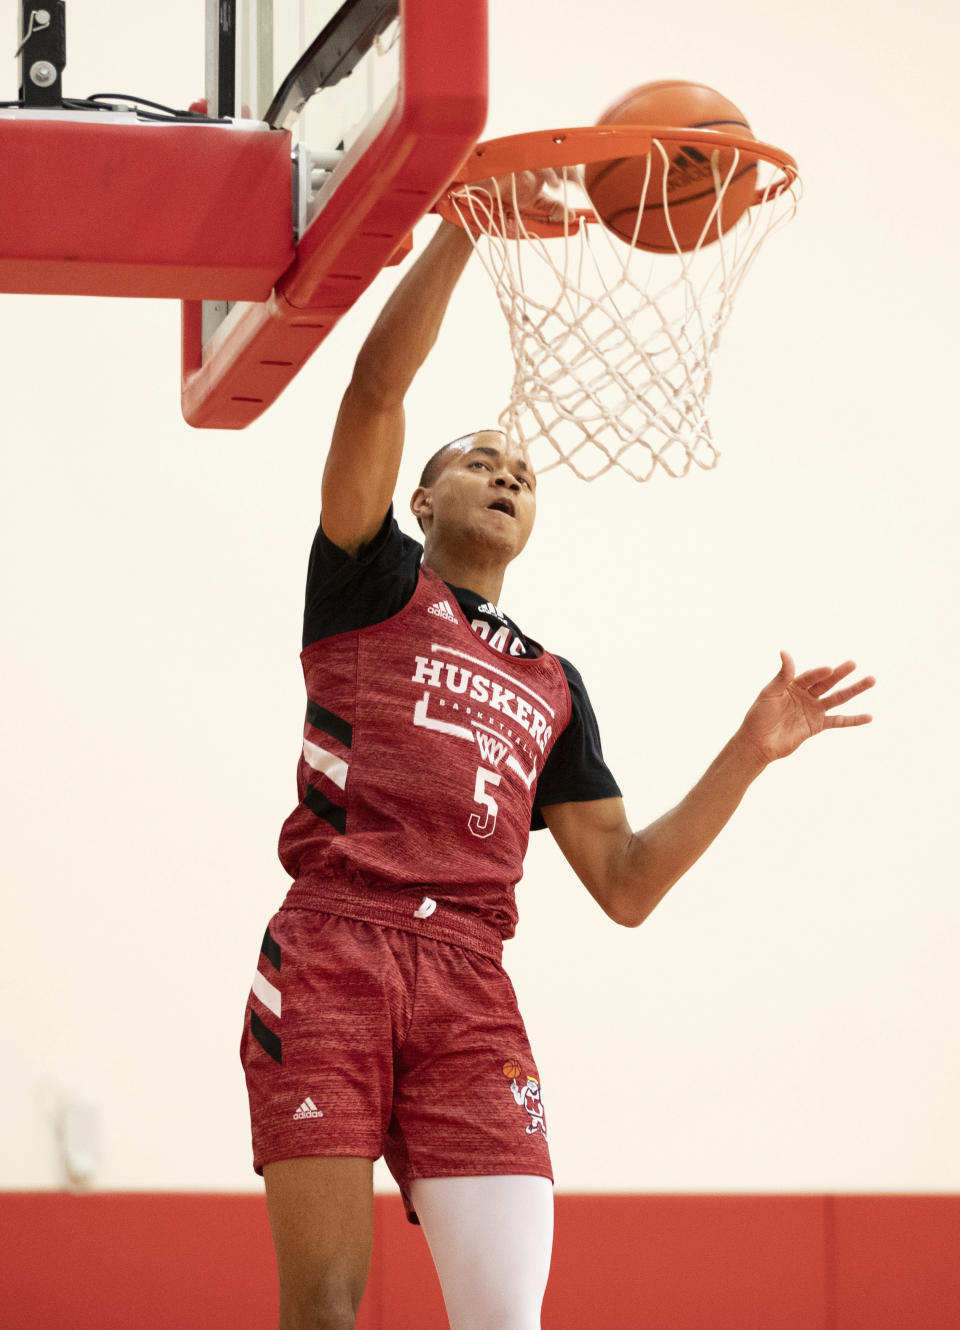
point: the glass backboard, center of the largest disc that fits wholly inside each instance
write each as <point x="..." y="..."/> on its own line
<point x="265" y="71"/>
<point x="381" y="101"/>
<point x="320" y="69"/>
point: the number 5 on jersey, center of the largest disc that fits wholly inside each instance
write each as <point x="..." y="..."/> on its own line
<point x="483" y="824"/>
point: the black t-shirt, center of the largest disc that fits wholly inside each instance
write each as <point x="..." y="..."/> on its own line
<point x="347" y="592"/>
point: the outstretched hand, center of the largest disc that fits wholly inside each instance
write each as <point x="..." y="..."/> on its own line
<point x="526" y="193"/>
<point x="793" y="707"/>
<point x="530" y="190"/>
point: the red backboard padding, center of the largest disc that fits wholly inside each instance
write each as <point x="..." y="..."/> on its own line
<point x="179" y="211"/>
<point x="204" y="1262"/>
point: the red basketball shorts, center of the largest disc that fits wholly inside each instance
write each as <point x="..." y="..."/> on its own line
<point x="362" y="1039"/>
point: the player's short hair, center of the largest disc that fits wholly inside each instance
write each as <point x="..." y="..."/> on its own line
<point x="435" y="465"/>
<point x="438" y="461"/>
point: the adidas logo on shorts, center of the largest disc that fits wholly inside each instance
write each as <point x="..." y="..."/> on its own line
<point x="307" y="1109"/>
<point x="443" y="611"/>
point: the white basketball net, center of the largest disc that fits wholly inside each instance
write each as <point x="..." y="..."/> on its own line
<point x="613" y="344"/>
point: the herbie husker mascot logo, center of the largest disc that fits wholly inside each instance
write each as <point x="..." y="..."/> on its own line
<point x="527" y="1096"/>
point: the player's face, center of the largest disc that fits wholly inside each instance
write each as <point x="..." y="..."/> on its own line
<point x="487" y="490"/>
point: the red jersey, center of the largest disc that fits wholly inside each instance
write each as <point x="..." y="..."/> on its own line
<point x="421" y="753"/>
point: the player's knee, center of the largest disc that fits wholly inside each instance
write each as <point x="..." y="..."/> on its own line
<point x="321" y="1306"/>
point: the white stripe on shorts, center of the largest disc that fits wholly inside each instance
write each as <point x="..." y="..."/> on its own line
<point x="266" y="992"/>
<point x="333" y="767"/>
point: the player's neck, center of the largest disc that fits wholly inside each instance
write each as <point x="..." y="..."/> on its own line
<point x="473" y="574"/>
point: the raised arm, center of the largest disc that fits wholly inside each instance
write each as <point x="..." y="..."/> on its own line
<point x="630" y="872"/>
<point x="364" y="458"/>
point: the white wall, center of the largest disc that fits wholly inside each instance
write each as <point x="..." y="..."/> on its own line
<point x="785" y="1020"/>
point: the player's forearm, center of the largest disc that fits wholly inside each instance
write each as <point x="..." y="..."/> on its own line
<point x="658" y="856"/>
<point x="407" y="328"/>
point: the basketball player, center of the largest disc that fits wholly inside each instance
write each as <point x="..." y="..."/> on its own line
<point x="437" y="733"/>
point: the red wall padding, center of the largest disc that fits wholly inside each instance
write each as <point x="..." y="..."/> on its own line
<point x="131" y="1261"/>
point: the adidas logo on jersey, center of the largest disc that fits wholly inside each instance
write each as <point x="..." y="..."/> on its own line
<point x="443" y="611"/>
<point x="307" y="1109"/>
<point x="489" y="608"/>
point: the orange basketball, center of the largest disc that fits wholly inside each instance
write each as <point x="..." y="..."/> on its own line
<point x="685" y="182"/>
<point x="512" y="1069"/>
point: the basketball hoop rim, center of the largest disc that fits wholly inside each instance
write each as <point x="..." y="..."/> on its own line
<point x="557" y="148"/>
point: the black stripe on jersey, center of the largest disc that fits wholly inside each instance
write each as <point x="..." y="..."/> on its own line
<point x="319" y="804"/>
<point x="270" y="948"/>
<point x="322" y="719"/>
<point x="268" y="1041"/>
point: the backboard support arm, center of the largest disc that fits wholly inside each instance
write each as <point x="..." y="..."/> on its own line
<point x="42" y="52"/>
<point x="221" y="70"/>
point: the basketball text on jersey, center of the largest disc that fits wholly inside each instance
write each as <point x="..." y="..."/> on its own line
<point x="456" y="680"/>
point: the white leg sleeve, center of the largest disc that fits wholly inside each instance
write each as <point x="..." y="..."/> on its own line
<point x="490" y="1238"/>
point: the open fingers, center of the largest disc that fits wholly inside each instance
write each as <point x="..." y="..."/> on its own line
<point x="824" y="677"/>
<point x="843" y="722"/>
<point x="843" y="695"/>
